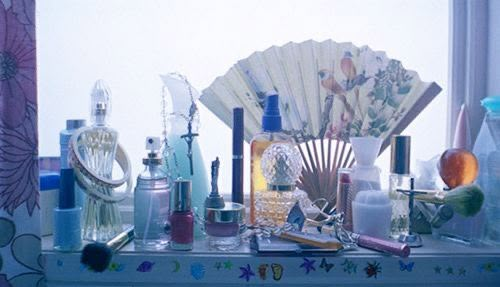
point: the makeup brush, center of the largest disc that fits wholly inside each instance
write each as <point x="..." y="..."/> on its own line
<point x="465" y="200"/>
<point x="98" y="256"/>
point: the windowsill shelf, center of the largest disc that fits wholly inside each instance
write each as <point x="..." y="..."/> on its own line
<point x="438" y="263"/>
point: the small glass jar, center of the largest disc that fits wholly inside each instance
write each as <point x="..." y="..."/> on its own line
<point x="222" y="226"/>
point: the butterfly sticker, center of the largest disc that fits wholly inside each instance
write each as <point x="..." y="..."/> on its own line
<point x="325" y="265"/>
<point x="408" y="267"/>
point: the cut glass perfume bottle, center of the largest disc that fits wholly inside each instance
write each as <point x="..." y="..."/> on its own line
<point x="101" y="220"/>
<point x="281" y="166"/>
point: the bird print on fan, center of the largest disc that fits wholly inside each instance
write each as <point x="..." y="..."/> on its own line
<point x="335" y="90"/>
<point x="338" y="89"/>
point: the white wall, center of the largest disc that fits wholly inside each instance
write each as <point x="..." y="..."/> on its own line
<point x="494" y="48"/>
<point x="128" y="43"/>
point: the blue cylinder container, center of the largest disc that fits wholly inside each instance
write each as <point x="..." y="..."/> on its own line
<point x="64" y="137"/>
<point x="67" y="216"/>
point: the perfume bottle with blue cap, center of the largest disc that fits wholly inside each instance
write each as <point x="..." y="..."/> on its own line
<point x="271" y="133"/>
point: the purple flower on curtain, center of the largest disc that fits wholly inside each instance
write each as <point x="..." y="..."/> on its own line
<point x="18" y="130"/>
<point x="19" y="165"/>
<point x="17" y="66"/>
<point x="25" y="13"/>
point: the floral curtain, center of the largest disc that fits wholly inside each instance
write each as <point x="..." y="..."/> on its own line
<point x="20" y="258"/>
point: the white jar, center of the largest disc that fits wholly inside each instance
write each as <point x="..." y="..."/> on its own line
<point x="371" y="213"/>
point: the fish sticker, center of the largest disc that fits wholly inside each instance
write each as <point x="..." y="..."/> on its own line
<point x="197" y="271"/>
<point x="146" y="266"/>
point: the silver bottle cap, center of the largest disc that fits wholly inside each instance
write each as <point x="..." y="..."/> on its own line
<point x="181" y="196"/>
<point x="400" y="154"/>
<point x="232" y="212"/>
<point x="75" y="124"/>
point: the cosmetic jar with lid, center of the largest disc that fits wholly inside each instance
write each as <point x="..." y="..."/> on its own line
<point x="222" y="226"/>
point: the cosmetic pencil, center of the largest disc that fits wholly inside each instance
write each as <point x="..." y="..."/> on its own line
<point x="238" y="130"/>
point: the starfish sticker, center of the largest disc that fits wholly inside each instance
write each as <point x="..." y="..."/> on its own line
<point x="461" y="271"/>
<point x="246" y="272"/>
<point x="228" y="265"/>
<point x="308" y="265"/>
<point x="437" y="269"/>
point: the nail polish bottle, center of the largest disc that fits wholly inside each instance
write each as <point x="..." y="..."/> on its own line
<point x="67" y="228"/>
<point x="181" y="216"/>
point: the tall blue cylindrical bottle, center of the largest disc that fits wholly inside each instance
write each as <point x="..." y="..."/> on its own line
<point x="64" y="136"/>
<point x="67" y="216"/>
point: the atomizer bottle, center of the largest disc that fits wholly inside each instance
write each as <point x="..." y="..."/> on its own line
<point x="151" y="201"/>
<point x="271" y="133"/>
<point x="400" y="178"/>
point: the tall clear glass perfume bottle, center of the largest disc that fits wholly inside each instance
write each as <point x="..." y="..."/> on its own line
<point x="101" y="220"/>
<point x="400" y="178"/>
<point x="281" y="167"/>
<point x="271" y="133"/>
<point x="151" y="201"/>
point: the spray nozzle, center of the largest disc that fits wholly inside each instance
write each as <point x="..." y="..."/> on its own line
<point x="153" y="145"/>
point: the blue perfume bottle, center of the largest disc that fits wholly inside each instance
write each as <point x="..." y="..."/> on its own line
<point x="67" y="228"/>
<point x="64" y="136"/>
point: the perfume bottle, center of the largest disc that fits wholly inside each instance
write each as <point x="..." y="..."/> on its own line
<point x="101" y="220"/>
<point x="181" y="216"/>
<point x="183" y="141"/>
<point x="281" y="167"/>
<point x="400" y="178"/>
<point x="64" y="137"/>
<point x="67" y="231"/>
<point x="151" y="201"/>
<point x="271" y="133"/>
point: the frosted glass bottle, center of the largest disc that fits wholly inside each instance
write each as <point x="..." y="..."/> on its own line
<point x="151" y="201"/>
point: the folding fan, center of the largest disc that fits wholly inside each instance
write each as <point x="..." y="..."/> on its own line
<point x="328" y="92"/>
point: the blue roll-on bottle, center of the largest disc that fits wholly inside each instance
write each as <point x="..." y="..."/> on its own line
<point x="67" y="228"/>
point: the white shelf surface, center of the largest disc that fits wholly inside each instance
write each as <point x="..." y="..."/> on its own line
<point x="437" y="263"/>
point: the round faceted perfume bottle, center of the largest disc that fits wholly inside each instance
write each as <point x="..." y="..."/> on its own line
<point x="281" y="166"/>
